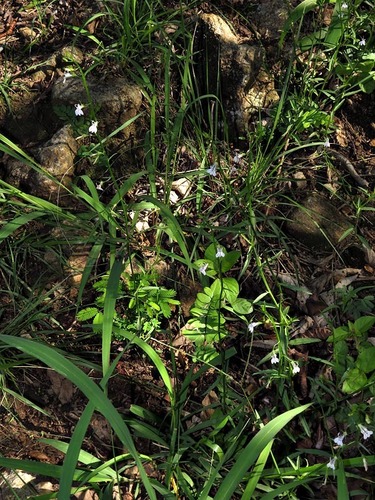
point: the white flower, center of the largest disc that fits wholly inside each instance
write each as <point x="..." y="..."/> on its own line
<point x="203" y="269"/>
<point x="327" y="144"/>
<point x="339" y="439"/>
<point x="251" y="326"/>
<point x="295" y="368"/>
<point x="79" y="109"/>
<point x="332" y="463"/>
<point x="67" y="74"/>
<point x="362" y="42"/>
<point x="366" y="433"/>
<point x="212" y="170"/>
<point x="274" y="359"/>
<point x="93" y="128"/>
<point x="236" y="158"/>
<point x="344" y="5"/>
<point x="219" y="252"/>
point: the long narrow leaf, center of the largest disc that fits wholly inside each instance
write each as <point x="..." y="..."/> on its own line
<point x="109" y="312"/>
<point x="96" y="396"/>
<point x="18" y="222"/>
<point x="75" y="445"/>
<point x="257" y="472"/>
<point x="152" y="354"/>
<point x="174" y="227"/>
<point x="249" y="455"/>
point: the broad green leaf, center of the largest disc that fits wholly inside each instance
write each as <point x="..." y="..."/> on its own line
<point x="341" y="333"/>
<point x="354" y="380"/>
<point x="211" y="250"/>
<point x="363" y="324"/>
<point x="231" y="289"/>
<point x="229" y="260"/>
<point x="366" y="359"/>
<point x="242" y="306"/>
<point x="340" y="351"/>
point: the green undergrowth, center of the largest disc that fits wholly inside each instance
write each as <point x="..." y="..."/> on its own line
<point x="242" y="415"/>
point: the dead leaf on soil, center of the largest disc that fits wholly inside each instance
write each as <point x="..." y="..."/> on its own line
<point x="101" y="428"/>
<point x="62" y="387"/>
<point x="87" y="495"/>
<point x="208" y="401"/>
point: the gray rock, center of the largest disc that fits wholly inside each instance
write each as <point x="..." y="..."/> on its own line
<point x="56" y="159"/>
<point x="233" y="71"/>
<point x="116" y="100"/>
<point x="317" y="223"/>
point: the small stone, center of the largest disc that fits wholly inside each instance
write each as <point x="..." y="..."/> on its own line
<point x="317" y="223"/>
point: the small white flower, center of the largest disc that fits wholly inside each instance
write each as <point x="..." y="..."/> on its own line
<point x="327" y="144"/>
<point x="203" y="269"/>
<point x="366" y="433"/>
<point x="344" y="5"/>
<point x="212" y="170"/>
<point x="236" y="158"/>
<point x="67" y="74"/>
<point x="251" y="326"/>
<point x="79" y="109"/>
<point x="274" y="359"/>
<point x="362" y="42"/>
<point x="332" y="463"/>
<point x="219" y="252"/>
<point x="339" y="439"/>
<point x="93" y="128"/>
<point x="295" y="368"/>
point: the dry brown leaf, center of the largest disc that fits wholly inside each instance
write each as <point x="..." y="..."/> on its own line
<point x="208" y="401"/>
<point x="62" y="387"/>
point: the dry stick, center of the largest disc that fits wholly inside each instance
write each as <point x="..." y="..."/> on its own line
<point x="345" y="163"/>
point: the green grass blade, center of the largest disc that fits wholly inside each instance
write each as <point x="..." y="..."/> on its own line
<point x="95" y="395"/>
<point x="249" y="455"/>
<point x="296" y="15"/>
<point x="91" y="260"/>
<point x="39" y="203"/>
<point x="174" y="227"/>
<point x="152" y="354"/>
<point x="342" y="487"/>
<point x="18" y="222"/>
<point x="125" y="187"/>
<point x="109" y="312"/>
<point x="257" y="472"/>
<point x="49" y="470"/>
<point x="74" y="450"/>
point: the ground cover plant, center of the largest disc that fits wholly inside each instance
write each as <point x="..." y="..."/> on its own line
<point x="190" y="314"/>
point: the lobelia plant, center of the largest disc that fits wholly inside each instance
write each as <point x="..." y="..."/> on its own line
<point x="144" y="304"/>
<point x="354" y="372"/>
<point x="208" y="323"/>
